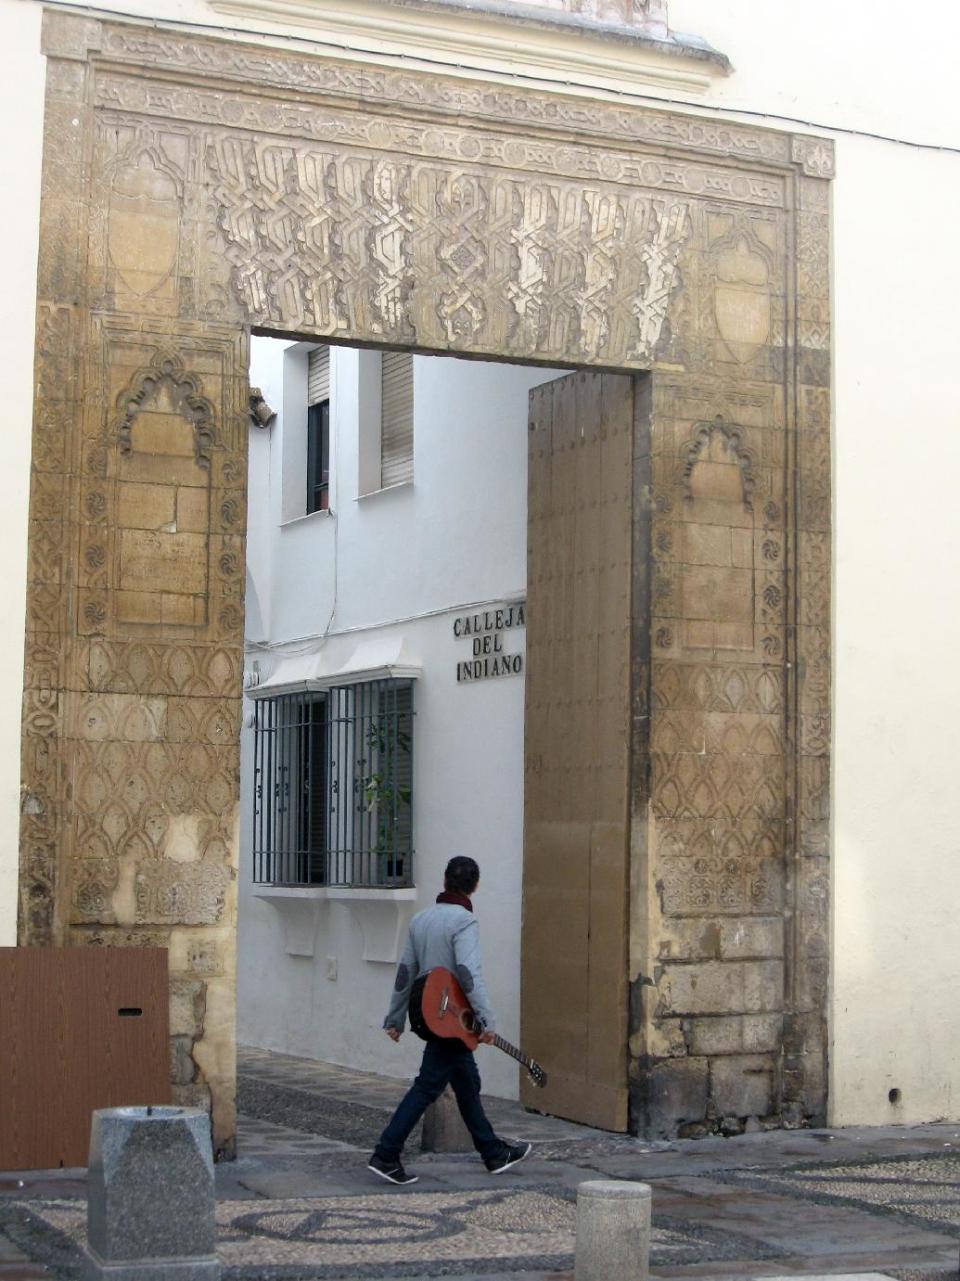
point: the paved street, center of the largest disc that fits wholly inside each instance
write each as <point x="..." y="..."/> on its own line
<point x="299" y="1204"/>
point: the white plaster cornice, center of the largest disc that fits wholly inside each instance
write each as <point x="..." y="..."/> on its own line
<point x="469" y="40"/>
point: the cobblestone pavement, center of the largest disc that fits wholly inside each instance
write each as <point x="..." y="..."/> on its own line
<point x="299" y="1204"/>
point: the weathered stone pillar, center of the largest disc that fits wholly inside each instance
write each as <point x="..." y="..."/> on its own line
<point x="135" y="596"/>
<point x="613" y="1231"/>
<point x="150" y="1196"/>
<point x="443" y="1126"/>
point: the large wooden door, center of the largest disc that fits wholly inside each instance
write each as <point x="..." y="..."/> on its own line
<point x="577" y="744"/>
<point x="80" y="1028"/>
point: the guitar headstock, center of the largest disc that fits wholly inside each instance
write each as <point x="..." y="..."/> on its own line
<point x="537" y="1074"/>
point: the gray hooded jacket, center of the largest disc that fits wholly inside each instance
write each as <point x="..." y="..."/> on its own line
<point x="444" y="935"/>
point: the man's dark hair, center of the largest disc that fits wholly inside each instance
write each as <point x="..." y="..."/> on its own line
<point x="462" y="874"/>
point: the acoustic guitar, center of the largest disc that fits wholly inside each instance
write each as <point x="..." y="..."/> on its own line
<point x="446" y="1012"/>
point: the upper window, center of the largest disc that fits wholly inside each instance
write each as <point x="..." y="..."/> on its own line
<point x="318" y="457"/>
<point x="333" y="786"/>
<point x="396" y="418"/>
<point x="318" y="430"/>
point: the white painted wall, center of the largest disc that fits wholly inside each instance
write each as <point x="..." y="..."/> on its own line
<point x="21" y="113"/>
<point x="421" y="553"/>
<point x="872" y="65"/>
<point x="895" y="1019"/>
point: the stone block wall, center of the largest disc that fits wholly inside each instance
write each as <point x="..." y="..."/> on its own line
<point x="729" y="932"/>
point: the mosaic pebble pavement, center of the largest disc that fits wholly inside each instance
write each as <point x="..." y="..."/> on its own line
<point x="402" y="1234"/>
<point x="426" y="1232"/>
<point x="924" y="1189"/>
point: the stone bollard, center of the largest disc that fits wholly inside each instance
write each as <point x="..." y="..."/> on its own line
<point x="150" y="1199"/>
<point x="443" y="1127"/>
<point x="613" y="1231"/>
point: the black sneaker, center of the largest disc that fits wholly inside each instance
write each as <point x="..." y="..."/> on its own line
<point x="513" y="1153"/>
<point x="392" y="1171"/>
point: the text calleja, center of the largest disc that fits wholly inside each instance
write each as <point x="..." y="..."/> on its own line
<point x="486" y="632"/>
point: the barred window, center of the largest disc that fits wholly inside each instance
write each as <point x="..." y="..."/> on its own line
<point x="333" y="786"/>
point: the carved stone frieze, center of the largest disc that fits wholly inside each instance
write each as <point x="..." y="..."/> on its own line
<point x="130" y="98"/>
<point x="193" y="59"/>
<point x="426" y="254"/>
<point x="193" y="894"/>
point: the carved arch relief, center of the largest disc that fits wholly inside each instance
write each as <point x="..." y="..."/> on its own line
<point x="164" y="440"/>
<point x="167" y="387"/>
<point x="718" y="575"/>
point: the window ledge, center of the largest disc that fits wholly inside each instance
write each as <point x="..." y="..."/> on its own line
<point x="297" y="520"/>
<point x="362" y="893"/>
<point x="381" y="915"/>
<point x="387" y="489"/>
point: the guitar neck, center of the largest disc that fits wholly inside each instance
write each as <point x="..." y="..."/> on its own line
<point x="512" y="1050"/>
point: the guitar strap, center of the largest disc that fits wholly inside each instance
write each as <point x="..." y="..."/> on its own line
<point x="418" y="1023"/>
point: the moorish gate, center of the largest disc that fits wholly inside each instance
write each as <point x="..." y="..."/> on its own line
<point x="675" y="945"/>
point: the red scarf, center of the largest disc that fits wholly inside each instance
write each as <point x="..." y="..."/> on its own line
<point x="454" y="896"/>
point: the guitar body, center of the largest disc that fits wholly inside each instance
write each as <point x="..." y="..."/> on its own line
<point x="447" y="1013"/>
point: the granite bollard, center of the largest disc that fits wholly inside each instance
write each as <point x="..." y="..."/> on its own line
<point x="443" y="1126"/>
<point x="613" y="1231"/>
<point x="150" y="1201"/>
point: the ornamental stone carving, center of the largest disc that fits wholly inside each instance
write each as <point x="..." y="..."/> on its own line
<point x="210" y="187"/>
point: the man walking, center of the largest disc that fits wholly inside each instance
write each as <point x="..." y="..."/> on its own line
<point x="445" y="935"/>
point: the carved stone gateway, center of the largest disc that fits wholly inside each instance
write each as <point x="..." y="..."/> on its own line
<point x="195" y="188"/>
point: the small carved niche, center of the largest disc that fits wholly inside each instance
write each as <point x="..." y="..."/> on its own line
<point x="718" y="570"/>
<point x="165" y="437"/>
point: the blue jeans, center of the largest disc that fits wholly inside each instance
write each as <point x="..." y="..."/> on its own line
<point x="444" y="1062"/>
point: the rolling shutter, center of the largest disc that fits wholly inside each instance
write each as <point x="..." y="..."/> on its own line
<point x="396" y="431"/>
<point x="318" y="376"/>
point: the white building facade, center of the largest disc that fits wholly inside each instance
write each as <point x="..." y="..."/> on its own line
<point x="403" y="582"/>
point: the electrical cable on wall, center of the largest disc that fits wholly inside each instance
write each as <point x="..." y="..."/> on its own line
<point x="311" y="644"/>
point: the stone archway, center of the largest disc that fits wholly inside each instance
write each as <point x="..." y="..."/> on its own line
<point x="196" y="187"/>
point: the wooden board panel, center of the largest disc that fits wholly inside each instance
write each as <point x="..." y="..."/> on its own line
<point x="139" y="1066"/>
<point x="66" y="1048"/>
<point x="31" y="1061"/>
<point x="577" y="749"/>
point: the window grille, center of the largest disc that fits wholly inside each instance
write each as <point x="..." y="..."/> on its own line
<point x="333" y="787"/>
